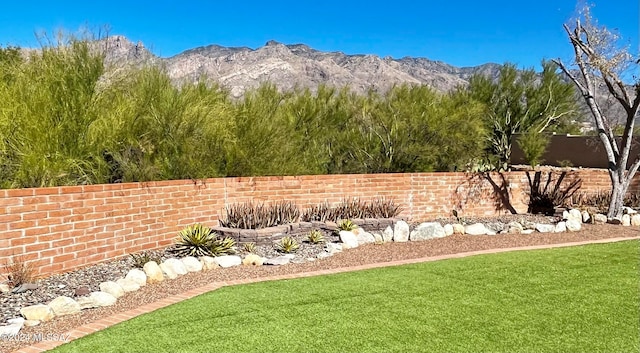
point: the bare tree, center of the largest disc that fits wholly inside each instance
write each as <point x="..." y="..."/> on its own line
<point x="601" y="66"/>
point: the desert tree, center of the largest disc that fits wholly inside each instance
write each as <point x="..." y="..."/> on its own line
<point x="602" y="68"/>
<point x="522" y="101"/>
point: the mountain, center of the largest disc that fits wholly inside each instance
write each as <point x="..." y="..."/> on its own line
<point x="294" y="65"/>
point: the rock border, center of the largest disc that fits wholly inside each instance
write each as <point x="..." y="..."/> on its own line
<point x="368" y="231"/>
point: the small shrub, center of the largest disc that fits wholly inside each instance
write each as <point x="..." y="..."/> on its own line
<point x="600" y="200"/>
<point x="545" y="196"/>
<point x="224" y="246"/>
<point x="352" y="208"/>
<point x="139" y="260"/>
<point x="249" y="247"/>
<point x="254" y="216"/>
<point x="287" y="245"/>
<point x="322" y="212"/>
<point x="315" y="237"/>
<point x="195" y="240"/>
<point x="347" y="224"/>
<point x="382" y="208"/>
<point x="19" y="272"/>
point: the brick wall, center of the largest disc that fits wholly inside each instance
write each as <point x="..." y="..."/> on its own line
<point x="63" y="228"/>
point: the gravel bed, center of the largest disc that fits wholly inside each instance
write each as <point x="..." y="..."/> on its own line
<point x="65" y="284"/>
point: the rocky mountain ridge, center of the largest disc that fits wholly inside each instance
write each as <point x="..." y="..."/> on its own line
<point x="294" y="65"/>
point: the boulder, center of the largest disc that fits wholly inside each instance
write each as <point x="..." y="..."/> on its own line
<point x="377" y="237"/>
<point x="102" y="299"/>
<point x="599" y="218"/>
<point x="545" y="228"/>
<point x="401" y="232"/>
<point x="565" y="215"/>
<point x="176" y="265"/>
<point x="628" y="210"/>
<point x="574" y="225"/>
<point x="208" y="263"/>
<point x="561" y="227"/>
<point x="514" y="228"/>
<point x="24" y="287"/>
<point x="168" y="271"/>
<point x="528" y="231"/>
<point x="323" y="255"/>
<point x="448" y="229"/>
<point x="615" y="220"/>
<point x="81" y="291"/>
<point x="4" y="288"/>
<point x="31" y="323"/>
<point x="458" y="228"/>
<point x="348" y="239"/>
<point x="635" y="220"/>
<point x="586" y="217"/>
<point x="228" y="261"/>
<point x="112" y="288"/>
<point x="128" y="285"/>
<point x="38" y="312"/>
<point x="253" y="260"/>
<point x="626" y="220"/>
<point x="575" y="214"/>
<point x="333" y="248"/>
<point x="153" y="272"/>
<point x="476" y="229"/>
<point x="14" y="327"/>
<point x="387" y="234"/>
<point x="426" y="231"/>
<point x="64" y="306"/>
<point x="364" y="237"/>
<point x="86" y="303"/>
<point x="138" y="276"/>
<point x="277" y="261"/>
<point x="191" y="264"/>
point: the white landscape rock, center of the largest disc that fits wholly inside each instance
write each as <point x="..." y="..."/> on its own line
<point x="629" y="210"/>
<point x="586" y="217"/>
<point x="514" y="228"/>
<point x="448" y="229"/>
<point x="168" y="270"/>
<point x="378" y="238"/>
<point x="348" y="239"/>
<point x="626" y="220"/>
<point x="333" y="248"/>
<point x="635" y="220"/>
<point x="176" y="265"/>
<point x="387" y="234"/>
<point x="64" y="306"/>
<point x="363" y="236"/>
<point x="112" y="288"/>
<point x="545" y="228"/>
<point x="458" y="228"/>
<point x="153" y="272"/>
<point x="476" y="229"/>
<point x="253" y="260"/>
<point x="138" y="276"/>
<point x="208" y="263"/>
<point x="278" y="261"/>
<point x="14" y="327"/>
<point x="401" y="232"/>
<point x="4" y="288"/>
<point x="426" y="231"/>
<point x="528" y="231"/>
<point x="128" y="285"/>
<point x="599" y="218"/>
<point x="561" y="227"/>
<point x="228" y="261"/>
<point x="38" y="312"/>
<point x="574" y="225"/>
<point x="86" y="303"/>
<point x="102" y="299"/>
<point x="31" y="323"/>
<point x="191" y="264"/>
<point x="575" y="214"/>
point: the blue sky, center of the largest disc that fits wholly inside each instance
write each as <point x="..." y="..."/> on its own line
<point x="461" y="33"/>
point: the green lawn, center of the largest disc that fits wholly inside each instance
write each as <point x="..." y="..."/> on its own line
<point x="578" y="299"/>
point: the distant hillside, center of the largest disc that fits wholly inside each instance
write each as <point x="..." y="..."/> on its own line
<point x="296" y="65"/>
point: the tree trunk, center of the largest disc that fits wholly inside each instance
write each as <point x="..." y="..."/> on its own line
<point x="618" y="191"/>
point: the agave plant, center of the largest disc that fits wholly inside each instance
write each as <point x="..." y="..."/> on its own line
<point x="347" y="224"/>
<point x="249" y="247"/>
<point x="194" y="240"/>
<point x="223" y="246"/>
<point x="315" y="237"/>
<point x="287" y="245"/>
